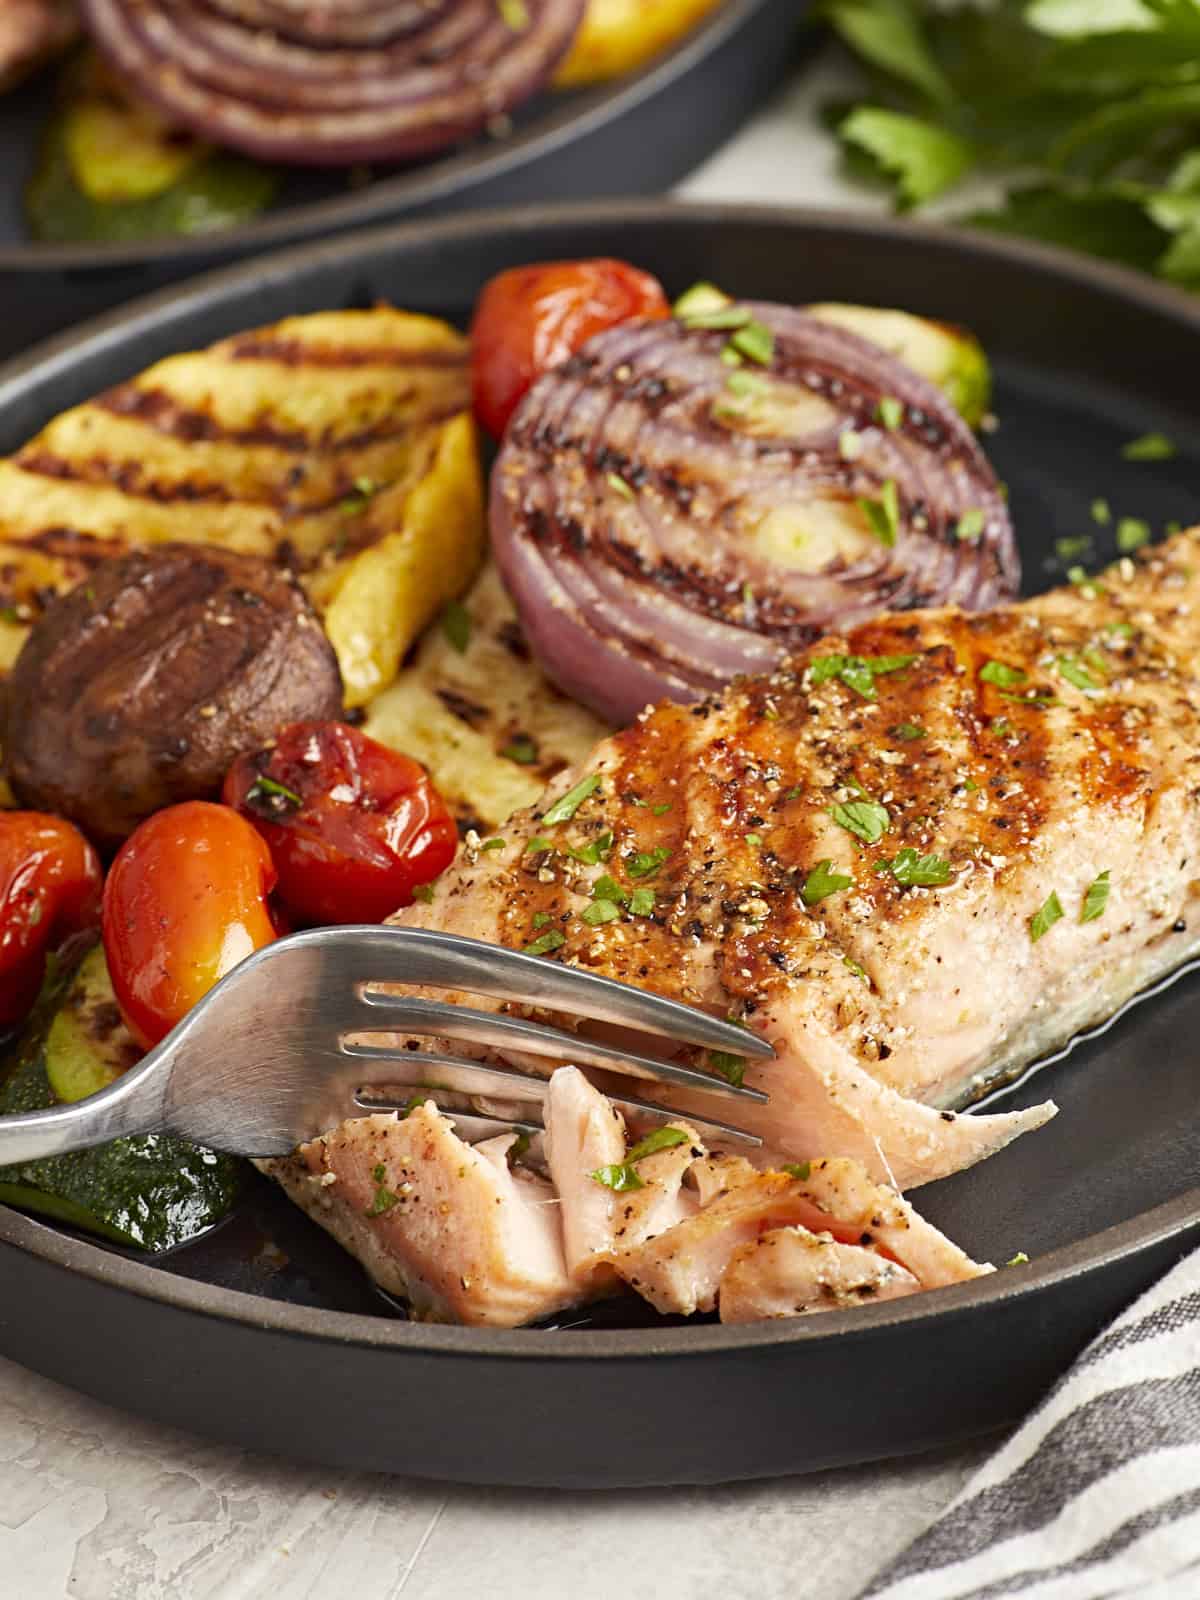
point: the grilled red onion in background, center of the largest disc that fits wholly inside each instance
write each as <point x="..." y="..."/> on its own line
<point x="344" y="81"/>
<point x="666" y="519"/>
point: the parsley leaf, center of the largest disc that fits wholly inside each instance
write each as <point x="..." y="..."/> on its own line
<point x="1073" y="670"/>
<point x="970" y="525"/>
<point x="1096" y="898"/>
<point x="890" y="412"/>
<point x="273" y="796"/>
<point x="913" y="870"/>
<point x="883" y="515"/>
<point x="550" y="940"/>
<point x="645" y="863"/>
<point x="1045" y="917"/>
<point x="732" y="1068"/>
<point x="660" y="1139"/>
<point x="801" y="1170"/>
<point x="1132" y="534"/>
<point x="522" y="750"/>
<point x="857" y="672"/>
<point x="456" y="625"/>
<point x="1000" y="673"/>
<point x="565" y="807"/>
<point x="866" y="819"/>
<point x="823" y="881"/>
<point x="620" y="1177"/>
<point x="1150" y="447"/>
<point x="595" y="851"/>
<point x="600" y="911"/>
<point x="924" y="158"/>
<point x="641" y="902"/>
<point x="908" y="731"/>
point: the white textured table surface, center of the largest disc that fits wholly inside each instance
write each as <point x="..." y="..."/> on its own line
<point x="95" y="1505"/>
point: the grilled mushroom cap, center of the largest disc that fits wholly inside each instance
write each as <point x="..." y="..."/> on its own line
<point x="138" y="688"/>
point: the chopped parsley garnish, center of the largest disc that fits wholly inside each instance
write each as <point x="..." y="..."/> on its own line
<point x="607" y="888"/>
<point x="661" y="809"/>
<point x="801" y="1170"/>
<point x="859" y="972"/>
<point x="866" y="819"/>
<point x="424" y="893"/>
<point x="883" y="515"/>
<point x="793" y="794"/>
<point x="1028" y="697"/>
<point x="849" y="444"/>
<point x="857" y="672"/>
<point x="908" y="731"/>
<point x="754" y="341"/>
<point x="732" y="1068"/>
<point x="595" y="851"/>
<point x="522" y="750"/>
<point x="600" y="911"/>
<point x="754" y="840"/>
<point x="1101" y="512"/>
<point x="1096" y="898"/>
<point x="568" y="804"/>
<point x="364" y="488"/>
<point x="514" y="14"/>
<point x="1019" y="1260"/>
<point x="617" y="483"/>
<point x="823" y="881"/>
<point x="1073" y="670"/>
<point x="620" y="1177"/>
<point x="538" y="843"/>
<point x="1120" y="630"/>
<point x="890" y="412"/>
<point x="999" y="672"/>
<point x="493" y="844"/>
<point x="718" y="317"/>
<point x="1150" y="447"/>
<point x="456" y="625"/>
<point x="275" y="796"/>
<point x="915" y="871"/>
<point x="1045" y="917"/>
<point x="1001" y="727"/>
<point x="660" y="1139"/>
<point x="970" y="525"/>
<point x="700" y="298"/>
<point x="641" y="902"/>
<point x="1084" y="582"/>
<point x="645" y="863"/>
<point x="550" y="940"/>
<point x="730" y="357"/>
<point x="384" y="1198"/>
<point x="1132" y="534"/>
<point x="746" y="384"/>
<point x="1076" y="544"/>
<point x="541" y="918"/>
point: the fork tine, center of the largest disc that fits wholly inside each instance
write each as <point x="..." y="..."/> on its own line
<point x="412" y="1014"/>
<point x="427" y="956"/>
<point x="499" y="1083"/>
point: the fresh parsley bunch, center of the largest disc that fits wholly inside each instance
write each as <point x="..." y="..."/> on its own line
<point x="1088" y="110"/>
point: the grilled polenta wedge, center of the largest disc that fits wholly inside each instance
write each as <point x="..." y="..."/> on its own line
<point x="340" y="444"/>
<point x="480" y="714"/>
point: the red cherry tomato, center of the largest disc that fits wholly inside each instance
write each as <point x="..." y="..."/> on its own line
<point x="185" y="902"/>
<point x="531" y="318"/>
<point x="354" y="828"/>
<point x="49" y="888"/>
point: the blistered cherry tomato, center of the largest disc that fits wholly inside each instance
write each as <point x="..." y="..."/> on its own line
<point x="50" y="884"/>
<point x="354" y="828"/>
<point x="185" y="901"/>
<point x="531" y="318"/>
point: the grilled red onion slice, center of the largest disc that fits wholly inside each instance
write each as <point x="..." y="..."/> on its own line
<point x="389" y="80"/>
<point x="666" y="521"/>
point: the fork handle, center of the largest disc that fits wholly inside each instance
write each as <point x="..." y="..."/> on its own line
<point x="133" y="1104"/>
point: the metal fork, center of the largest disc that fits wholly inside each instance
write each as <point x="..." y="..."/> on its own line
<point x="275" y="1054"/>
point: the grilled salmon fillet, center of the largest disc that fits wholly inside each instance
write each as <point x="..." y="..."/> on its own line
<point x="339" y="444"/>
<point x="915" y="859"/>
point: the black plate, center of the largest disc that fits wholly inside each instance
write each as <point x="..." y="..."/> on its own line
<point x="265" y="1334"/>
<point x="636" y="135"/>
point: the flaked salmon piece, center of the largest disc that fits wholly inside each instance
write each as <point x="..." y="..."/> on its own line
<point x="443" y="1224"/>
<point x="683" y="1269"/>
<point x="915" y="858"/>
<point x="584" y="1132"/>
<point x="788" y="1272"/>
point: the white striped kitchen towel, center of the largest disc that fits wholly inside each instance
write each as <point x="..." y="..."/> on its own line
<point x="1097" y="1495"/>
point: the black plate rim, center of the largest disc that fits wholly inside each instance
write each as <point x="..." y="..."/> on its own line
<point x="423" y="185"/>
<point x="1124" y="1241"/>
